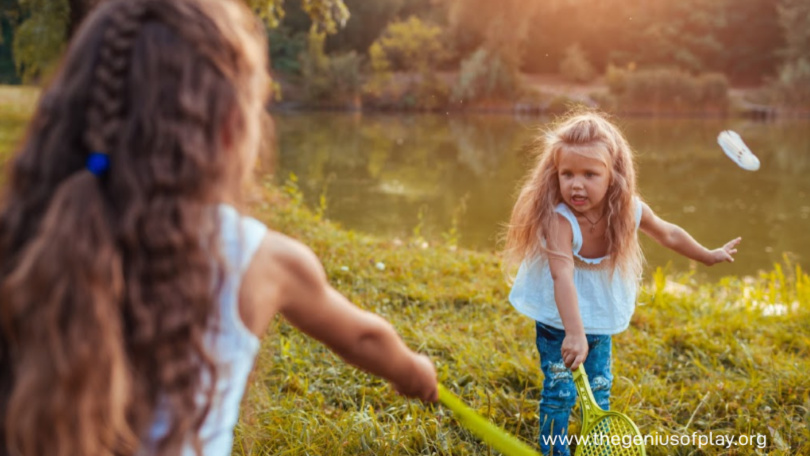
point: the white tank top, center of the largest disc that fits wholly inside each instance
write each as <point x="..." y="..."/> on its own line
<point x="606" y="302"/>
<point x="233" y="346"/>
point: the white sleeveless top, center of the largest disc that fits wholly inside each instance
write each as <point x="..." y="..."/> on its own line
<point x="605" y="303"/>
<point x="233" y="346"/>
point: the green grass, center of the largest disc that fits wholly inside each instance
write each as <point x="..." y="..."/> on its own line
<point x="730" y="357"/>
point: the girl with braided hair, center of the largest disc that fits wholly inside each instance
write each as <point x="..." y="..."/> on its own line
<point x="132" y="292"/>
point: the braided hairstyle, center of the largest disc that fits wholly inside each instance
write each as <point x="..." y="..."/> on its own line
<point x="109" y="282"/>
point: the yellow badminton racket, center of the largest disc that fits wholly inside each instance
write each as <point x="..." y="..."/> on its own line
<point x="494" y="436"/>
<point x="604" y="432"/>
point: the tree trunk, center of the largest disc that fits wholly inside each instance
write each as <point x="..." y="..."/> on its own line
<point x="78" y="11"/>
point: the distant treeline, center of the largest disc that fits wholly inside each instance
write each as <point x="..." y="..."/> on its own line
<point x="438" y="53"/>
<point x="744" y="39"/>
<point x="430" y="54"/>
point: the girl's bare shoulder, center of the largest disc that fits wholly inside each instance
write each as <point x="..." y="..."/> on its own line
<point x="282" y="273"/>
<point x="286" y="261"/>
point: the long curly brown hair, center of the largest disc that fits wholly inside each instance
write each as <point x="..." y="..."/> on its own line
<point x="108" y="284"/>
<point x="531" y="220"/>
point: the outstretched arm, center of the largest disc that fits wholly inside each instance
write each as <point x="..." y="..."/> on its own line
<point x="362" y="338"/>
<point x="676" y="238"/>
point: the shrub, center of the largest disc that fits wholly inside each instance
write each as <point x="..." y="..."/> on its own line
<point x="575" y="65"/>
<point x="714" y="90"/>
<point x="329" y="79"/>
<point x="484" y="75"/>
<point x="667" y="90"/>
<point x="792" y="88"/>
<point x="410" y="45"/>
<point x="415" y="48"/>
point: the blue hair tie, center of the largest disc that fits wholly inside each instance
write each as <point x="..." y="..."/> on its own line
<point x="98" y="163"/>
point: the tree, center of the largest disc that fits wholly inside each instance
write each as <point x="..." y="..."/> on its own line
<point x="794" y="16"/>
<point x="9" y="20"/>
<point x="412" y="45"/>
<point x="793" y="85"/>
<point x="47" y="25"/>
<point x="370" y="18"/>
<point x="40" y="38"/>
<point x="501" y="28"/>
<point x="751" y="38"/>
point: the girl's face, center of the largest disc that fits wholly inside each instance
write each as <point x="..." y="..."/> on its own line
<point x="584" y="179"/>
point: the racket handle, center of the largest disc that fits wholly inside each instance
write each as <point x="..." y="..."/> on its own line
<point x="579" y="372"/>
<point x="494" y="436"/>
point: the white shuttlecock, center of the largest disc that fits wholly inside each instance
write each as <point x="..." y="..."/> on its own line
<point x="736" y="150"/>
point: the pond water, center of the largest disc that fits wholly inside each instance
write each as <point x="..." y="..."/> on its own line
<point x="454" y="178"/>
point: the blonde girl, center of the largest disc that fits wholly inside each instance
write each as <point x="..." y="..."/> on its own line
<point x="132" y="292"/>
<point x="573" y="232"/>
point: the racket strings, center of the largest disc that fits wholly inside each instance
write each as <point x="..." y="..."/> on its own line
<point x="606" y="433"/>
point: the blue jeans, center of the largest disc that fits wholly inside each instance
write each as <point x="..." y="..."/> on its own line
<point x="559" y="393"/>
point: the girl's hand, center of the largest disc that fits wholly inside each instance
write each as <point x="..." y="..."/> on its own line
<point x="724" y="253"/>
<point x="421" y="382"/>
<point x="574" y="350"/>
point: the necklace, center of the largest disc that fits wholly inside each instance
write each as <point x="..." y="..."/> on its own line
<point x="593" y="224"/>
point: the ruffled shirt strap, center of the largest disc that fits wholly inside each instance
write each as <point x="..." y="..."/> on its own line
<point x="566" y="212"/>
<point x="576" y="244"/>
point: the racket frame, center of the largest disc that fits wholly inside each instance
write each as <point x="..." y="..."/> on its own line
<point x="493" y="435"/>
<point x="591" y="412"/>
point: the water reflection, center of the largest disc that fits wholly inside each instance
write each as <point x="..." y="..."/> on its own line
<point x="389" y="174"/>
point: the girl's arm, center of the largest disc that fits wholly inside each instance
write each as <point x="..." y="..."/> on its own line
<point x="561" y="264"/>
<point x="676" y="238"/>
<point x="286" y="276"/>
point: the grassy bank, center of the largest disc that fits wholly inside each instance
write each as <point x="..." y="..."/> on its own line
<point x="728" y="358"/>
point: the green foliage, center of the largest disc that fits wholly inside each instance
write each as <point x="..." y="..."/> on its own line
<point x="9" y="18"/>
<point x="327" y="15"/>
<point x="499" y="27"/>
<point x="411" y="46"/>
<point x="794" y="17"/>
<point x="40" y="29"/>
<point x="667" y="90"/>
<point x="370" y="18"/>
<point x="483" y="76"/>
<point x="286" y="47"/>
<point x="750" y="36"/>
<point x="40" y="38"/>
<point x="379" y="87"/>
<point x="329" y="79"/>
<point x="735" y="37"/>
<point x="684" y="34"/>
<point x="792" y="87"/>
<point x="575" y="66"/>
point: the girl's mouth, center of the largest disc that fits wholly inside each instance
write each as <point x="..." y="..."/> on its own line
<point x="578" y="200"/>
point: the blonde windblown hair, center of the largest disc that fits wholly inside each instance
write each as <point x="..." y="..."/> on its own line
<point x="533" y="213"/>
